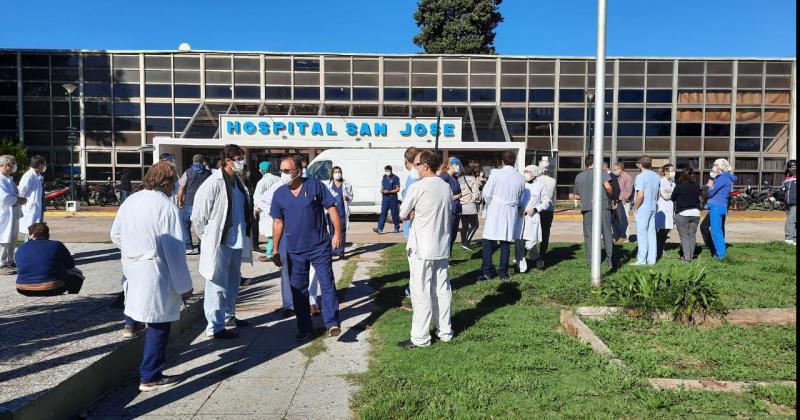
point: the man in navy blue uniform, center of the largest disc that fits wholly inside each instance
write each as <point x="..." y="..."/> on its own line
<point x="390" y="186"/>
<point x="298" y="213"/>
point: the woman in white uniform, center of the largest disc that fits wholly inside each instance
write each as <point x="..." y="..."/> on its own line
<point x="666" y="208"/>
<point x="31" y="187"/>
<point x="535" y="198"/>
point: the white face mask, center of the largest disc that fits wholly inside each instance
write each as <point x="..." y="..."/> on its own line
<point x="713" y="175"/>
<point x="286" y="178"/>
<point x="617" y="173"/>
<point x="388" y="173"/>
<point x="337" y="176"/>
<point x="671" y="174"/>
<point x="238" y="166"/>
<point x="14" y="168"/>
<point x="44" y="169"/>
<point x="415" y="173"/>
<point x="529" y="176"/>
<point x="304" y="173"/>
<point x="456" y="169"/>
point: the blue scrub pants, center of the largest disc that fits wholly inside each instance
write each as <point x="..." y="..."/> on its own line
<point x="488" y="250"/>
<point x="223" y="288"/>
<point x="717" y="215"/>
<point x="389" y="203"/>
<point x="299" y="265"/>
<point x="646" y="236"/>
<point x="454" y="219"/>
<point x="186" y="224"/>
<point x="155" y="352"/>
<point x="343" y="228"/>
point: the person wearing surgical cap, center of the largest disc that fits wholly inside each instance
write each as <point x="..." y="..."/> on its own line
<point x="534" y="200"/>
<point x="546" y="215"/>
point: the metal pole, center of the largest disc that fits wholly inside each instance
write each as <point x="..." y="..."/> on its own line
<point x="71" y="150"/>
<point x="599" y="102"/>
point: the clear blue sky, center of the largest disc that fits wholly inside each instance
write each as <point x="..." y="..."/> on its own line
<point x="764" y="28"/>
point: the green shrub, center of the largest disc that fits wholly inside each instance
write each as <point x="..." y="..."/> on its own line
<point x="685" y="292"/>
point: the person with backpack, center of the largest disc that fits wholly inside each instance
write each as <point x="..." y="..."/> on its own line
<point x="193" y="179"/>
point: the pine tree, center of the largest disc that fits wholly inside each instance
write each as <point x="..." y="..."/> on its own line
<point x="457" y="26"/>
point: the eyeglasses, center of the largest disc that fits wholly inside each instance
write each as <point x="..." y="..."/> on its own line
<point x="287" y="171"/>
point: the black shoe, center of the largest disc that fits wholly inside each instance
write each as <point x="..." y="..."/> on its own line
<point x="225" y="335"/>
<point x="397" y="231"/>
<point x="303" y="336"/>
<point x="376" y="230"/>
<point x="484" y="277"/>
<point x="163" y="382"/>
<point x="505" y="278"/>
<point x="234" y="322"/>
<point x="407" y="345"/>
<point x="288" y="313"/>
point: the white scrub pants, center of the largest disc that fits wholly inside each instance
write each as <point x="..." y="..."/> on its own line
<point x="286" y="289"/>
<point x="430" y="299"/>
<point x="7" y="250"/>
<point x="221" y="291"/>
<point x="646" y="236"/>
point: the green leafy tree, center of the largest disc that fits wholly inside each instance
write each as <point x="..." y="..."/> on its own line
<point x="20" y="153"/>
<point x="457" y="26"/>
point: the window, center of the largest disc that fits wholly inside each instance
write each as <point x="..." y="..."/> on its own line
<point x="218" y="91"/>
<point x="337" y="94"/>
<point x="542" y="95"/>
<point x="747" y="145"/>
<point x="748" y="130"/>
<point x="657" y="129"/>
<point x="659" y="114"/>
<point x="630" y="114"/>
<point x="157" y="109"/>
<point x="570" y="114"/>
<point x="454" y="95"/>
<point x="306" y="64"/>
<point x="571" y="95"/>
<point x="513" y="114"/>
<point x="512" y="95"/>
<point x="540" y="114"/>
<point x="395" y="94"/>
<point x="689" y="129"/>
<point x="659" y="96"/>
<point x="306" y="93"/>
<point x="423" y="94"/>
<point x="718" y="130"/>
<point x="570" y="129"/>
<point x="278" y="92"/>
<point x="158" y="91"/>
<point x="247" y="92"/>
<point x="629" y="129"/>
<point x="126" y="90"/>
<point x="365" y="94"/>
<point x="482" y="95"/>
<point x="321" y="170"/>
<point x="631" y="96"/>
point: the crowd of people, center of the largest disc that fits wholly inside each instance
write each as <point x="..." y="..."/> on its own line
<point x="305" y="220"/>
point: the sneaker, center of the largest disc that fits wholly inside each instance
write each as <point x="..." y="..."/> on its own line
<point x="7" y="271"/>
<point x="131" y="331"/>
<point x="303" y="336"/>
<point x="334" y="331"/>
<point x="342" y="257"/>
<point x="408" y="292"/>
<point x="376" y="230"/>
<point x="407" y="344"/>
<point x="789" y="242"/>
<point x="163" y="382"/>
<point x="288" y="313"/>
<point x="484" y="277"/>
<point x="397" y="230"/>
<point x="234" y="322"/>
<point x="263" y="258"/>
<point x="465" y="248"/>
<point x="192" y="252"/>
<point x="315" y="310"/>
<point x="225" y="335"/>
<point x="636" y="264"/>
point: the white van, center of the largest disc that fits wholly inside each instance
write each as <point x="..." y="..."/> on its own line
<point x="363" y="169"/>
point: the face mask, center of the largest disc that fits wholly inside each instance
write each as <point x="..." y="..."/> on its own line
<point x="238" y="166"/>
<point x="456" y="169"/>
<point x="14" y="168"/>
<point x="672" y="175"/>
<point x="713" y="175"/>
<point x="44" y="169"/>
<point x="286" y="178"/>
<point x="415" y="173"/>
<point x="337" y="176"/>
<point x="388" y="173"/>
<point x="617" y="173"/>
<point x="529" y="177"/>
<point x="264" y="172"/>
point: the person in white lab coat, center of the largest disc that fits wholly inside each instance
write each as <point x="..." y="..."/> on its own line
<point x="262" y="214"/>
<point x="502" y="193"/>
<point x="546" y="215"/>
<point x="148" y="232"/>
<point x="222" y="217"/>
<point x="427" y="202"/>
<point x="665" y="208"/>
<point x="32" y="188"/>
<point x="535" y="199"/>
<point x="343" y="193"/>
<point x="10" y="203"/>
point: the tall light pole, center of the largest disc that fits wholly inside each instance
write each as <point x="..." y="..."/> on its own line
<point x="589" y="102"/>
<point x="71" y="139"/>
<point x="598" y="191"/>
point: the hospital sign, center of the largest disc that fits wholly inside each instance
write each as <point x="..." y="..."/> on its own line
<point x="390" y="129"/>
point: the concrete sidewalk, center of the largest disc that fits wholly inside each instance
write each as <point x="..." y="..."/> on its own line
<point x="264" y="373"/>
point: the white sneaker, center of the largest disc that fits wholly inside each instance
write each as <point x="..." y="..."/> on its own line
<point x="789" y="242"/>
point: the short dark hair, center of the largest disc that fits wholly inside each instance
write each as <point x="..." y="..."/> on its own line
<point x="410" y="154"/>
<point x="37" y="161"/>
<point x="589" y="160"/>
<point x="387" y="168"/>
<point x="646" y="162"/>
<point x="230" y="151"/>
<point x="40" y="230"/>
<point x="429" y="158"/>
<point x="508" y="157"/>
<point x="620" y="165"/>
<point x="687" y="176"/>
<point x="297" y="159"/>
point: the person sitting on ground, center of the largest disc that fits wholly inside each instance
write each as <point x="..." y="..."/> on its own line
<point x="45" y="267"/>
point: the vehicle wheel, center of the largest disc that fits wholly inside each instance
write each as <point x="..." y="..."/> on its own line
<point x="743" y="205"/>
<point x="59" y="204"/>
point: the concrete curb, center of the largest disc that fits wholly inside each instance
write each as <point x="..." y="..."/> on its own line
<point x="575" y="327"/>
<point x="735" y="316"/>
<point x="710" y="384"/>
<point x="73" y="396"/>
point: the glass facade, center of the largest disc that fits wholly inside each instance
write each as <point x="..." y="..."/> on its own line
<point x="687" y="111"/>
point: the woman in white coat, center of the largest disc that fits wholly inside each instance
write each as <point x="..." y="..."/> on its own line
<point x="264" y="221"/>
<point x="666" y="209"/>
<point x="535" y="198"/>
<point x="342" y="191"/>
<point x="10" y="203"/>
<point x="149" y="235"/>
<point x="31" y="187"/>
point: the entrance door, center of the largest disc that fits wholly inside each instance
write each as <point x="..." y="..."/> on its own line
<point x="188" y="152"/>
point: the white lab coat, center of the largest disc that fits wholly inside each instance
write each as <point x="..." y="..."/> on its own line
<point x="149" y="235"/>
<point x="30" y="187"/>
<point x="209" y="214"/>
<point x="502" y="193"/>
<point x="549" y="189"/>
<point x="264" y="203"/>
<point x="347" y="190"/>
<point x="264" y="221"/>
<point x="666" y="208"/>
<point x="534" y="197"/>
<point x="9" y="211"/>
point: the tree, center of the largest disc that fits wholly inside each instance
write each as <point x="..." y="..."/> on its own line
<point x="20" y="153"/>
<point x="457" y="26"/>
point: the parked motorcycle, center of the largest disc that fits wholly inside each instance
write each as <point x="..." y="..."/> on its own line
<point x="104" y="194"/>
<point x="56" y="198"/>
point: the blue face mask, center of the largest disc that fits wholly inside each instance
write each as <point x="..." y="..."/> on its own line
<point x="304" y="173"/>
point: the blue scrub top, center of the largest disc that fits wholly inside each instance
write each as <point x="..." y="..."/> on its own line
<point x="648" y="182"/>
<point x="339" y="199"/>
<point x="304" y="224"/>
<point x="455" y="187"/>
<point x="390" y="183"/>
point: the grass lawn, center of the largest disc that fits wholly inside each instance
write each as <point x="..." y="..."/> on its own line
<point x="509" y="360"/>
<point x="730" y="352"/>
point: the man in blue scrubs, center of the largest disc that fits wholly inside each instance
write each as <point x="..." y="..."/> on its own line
<point x="390" y="186"/>
<point x="298" y="213"/>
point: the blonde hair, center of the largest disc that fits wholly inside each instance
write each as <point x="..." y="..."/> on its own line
<point x="723" y="165"/>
